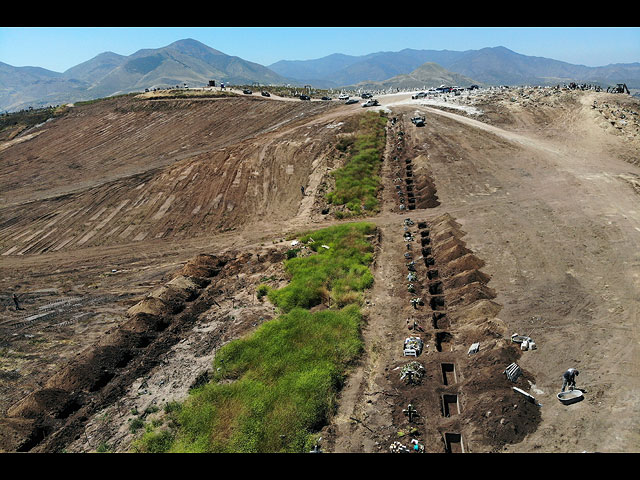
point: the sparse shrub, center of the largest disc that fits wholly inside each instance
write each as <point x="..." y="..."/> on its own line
<point x="262" y="291"/>
<point x="135" y="425"/>
<point x="103" y="448"/>
<point x="151" y="409"/>
<point x="172" y="407"/>
<point x="292" y="253"/>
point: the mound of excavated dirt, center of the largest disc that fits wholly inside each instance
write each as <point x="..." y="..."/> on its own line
<point x="50" y="417"/>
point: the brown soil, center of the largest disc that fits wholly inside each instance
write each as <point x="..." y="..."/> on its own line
<point x="137" y="232"/>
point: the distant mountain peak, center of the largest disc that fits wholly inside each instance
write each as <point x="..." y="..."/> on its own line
<point x="189" y="45"/>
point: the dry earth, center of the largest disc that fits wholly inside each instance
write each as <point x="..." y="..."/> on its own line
<point x="135" y="233"/>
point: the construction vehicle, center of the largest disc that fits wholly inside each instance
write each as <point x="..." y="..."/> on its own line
<point x="619" y="88"/>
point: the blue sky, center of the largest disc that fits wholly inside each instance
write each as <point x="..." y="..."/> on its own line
<point x="60" y="48"/>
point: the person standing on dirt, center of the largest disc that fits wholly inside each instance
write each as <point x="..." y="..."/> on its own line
<point x="569" y="379"/>
<point x="17" y="302"/>
<point x="302" y="189"/>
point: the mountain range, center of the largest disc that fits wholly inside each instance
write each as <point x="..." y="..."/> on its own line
<point x="195" y="64"/>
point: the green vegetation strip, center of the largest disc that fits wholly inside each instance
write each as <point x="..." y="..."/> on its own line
<point x="274" y="389"/>
<point x="358" y="181"/>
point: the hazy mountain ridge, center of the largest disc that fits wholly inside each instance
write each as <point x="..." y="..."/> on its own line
<point x="489" y="66"/>
<point x="426" y="75"/>
<point x="185" y="61"/>
<point x="191" y="62"/>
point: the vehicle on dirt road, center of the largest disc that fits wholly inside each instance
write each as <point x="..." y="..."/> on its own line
<point x="264" y="93"/>
<point x="419" y="95"/>
<point x="418" y="121"/>
<point x="246" y="91"/>
<point x="343" y="96"/>
<point x="305" y="97"/>
<point x="325" y="98"/>
<point x="351" y="101"/>
<point x="371" y="103"/>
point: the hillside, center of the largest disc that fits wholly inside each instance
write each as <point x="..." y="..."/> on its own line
<point x="184" y="61"/>
<point x="423" y="77"/>
<point x="490" y="66"/>
<point x="120" y="164"/>
<point x="139" y="232"/>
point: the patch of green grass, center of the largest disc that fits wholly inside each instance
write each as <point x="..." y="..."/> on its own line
<point x="358" y="182"/>
<point x="155" y="441"/>
<point x="285" y="380"/>
<point x="274" y="389"/>
<point x="336" y="275"/>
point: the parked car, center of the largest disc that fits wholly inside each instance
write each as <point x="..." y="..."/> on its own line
<point x="371" y="103"/>
<point x="343" y="96"/>
<point x="246" y="91"/>
<point x="351" y="101"/>
<point x="366" y="95"/>
<point x="264" y="93"/>
<point x="419" y="95"/>
<point x="305" y="97"/>
<point x="326" y="98"/>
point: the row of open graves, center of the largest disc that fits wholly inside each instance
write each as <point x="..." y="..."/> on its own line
<point x="403" y="180"/>
<point x="430" y="320"/>
<point x="418" y="251"/>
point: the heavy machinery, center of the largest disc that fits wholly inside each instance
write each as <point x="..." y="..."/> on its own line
<point x="619" y="88"/>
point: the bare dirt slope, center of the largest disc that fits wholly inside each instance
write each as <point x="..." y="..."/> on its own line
<point x="524" y="220"/>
